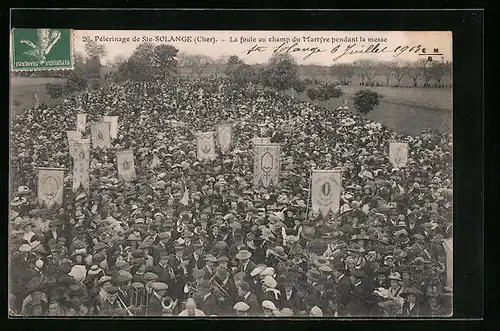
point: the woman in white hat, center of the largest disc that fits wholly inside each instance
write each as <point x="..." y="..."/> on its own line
<point x="394" y="302"/>
<point x="268" y="308"/>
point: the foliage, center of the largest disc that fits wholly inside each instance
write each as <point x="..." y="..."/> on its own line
<point x="232" y="63"/>
<point x="366" y="70"/>
<point x="344" y="71"/>
<point x="76" y="82"/>
<point x="54" y="90"/>
<point x="312" y="93"/>
<point x="281" y="72"/>
<point x="365" y="100"/>
<point x="299" y="85"/>
<point x="195" y="63"/>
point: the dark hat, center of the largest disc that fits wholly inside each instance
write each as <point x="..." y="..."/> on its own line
<point x="222" y="273"/>
<point x="112" y="289"/>
<point x="338" y="266"/>
<point x="358" y="274"/>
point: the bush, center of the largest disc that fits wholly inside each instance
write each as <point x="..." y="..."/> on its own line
<point x="76" y="82"/>
<point x="54" y="90"/>
<point x="299" y="85"/>
<point x="312" y="93"/>
<point x="365" y="100"/>
<point x="329" y="91"/>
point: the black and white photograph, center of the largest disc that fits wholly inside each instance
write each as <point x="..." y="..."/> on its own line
<point x="221" y="173"/>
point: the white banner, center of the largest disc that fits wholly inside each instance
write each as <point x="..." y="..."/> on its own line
<point x="325" y="191"/>
<point x="267" y="164"/>
<point x="448" y="247"/>
<point x="258" y="140"/>
<point x="113" y="125"/>
<point x="398" y="154"/>
<point x="125" y="165"/>
<point x="205" y="145"/>
<point x="81" y="121"/>
<point x="72" y="136"/>
<point x="100" y="135"/>
<point x="81" y="164"/>
<point x="50" y="186"/>
<point x="225" y="136"/>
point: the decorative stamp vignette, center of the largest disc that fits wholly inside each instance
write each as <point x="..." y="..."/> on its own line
<point x="42" y="49"/>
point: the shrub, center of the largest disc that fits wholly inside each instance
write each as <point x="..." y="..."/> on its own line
<point x="312" y="93"/>
<point x="365" y="100"/>
<point x="299" y="85"/>
<point x="54" y="90"/>
<point x="76" y="82"/>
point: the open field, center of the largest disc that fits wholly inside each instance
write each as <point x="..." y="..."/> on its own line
<point x="23" y="89"/>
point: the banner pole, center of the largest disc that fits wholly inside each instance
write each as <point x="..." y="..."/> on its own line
<point x="309" y="194"/>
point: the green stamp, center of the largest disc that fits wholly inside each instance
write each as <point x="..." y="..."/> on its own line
<point x="42" y="49"/>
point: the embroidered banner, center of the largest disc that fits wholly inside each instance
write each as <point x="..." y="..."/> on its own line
<point x="448" y="247"/>
<point x="50" y="186"/>
<point x="81" y="121"/>
<point x="225" y="136"/>
<point x="100" y="135"/>
<point x="398" y="154"/>
<point x="267" y="164"/>
<point x="72" y="136"/>
<point x="125" y="165"/>
<point x="205" y="145"/>
<point x="81" y="164"/>
<point x="258" y="140"/>
<point x="325" y="191"/>
<point x="113" y="125"/>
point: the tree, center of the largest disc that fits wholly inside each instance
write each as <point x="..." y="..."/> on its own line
<point x="281" y="71"/>
<point x="118" y="60"/>
<point x="164" y="60"/>
<point x="424" y="66"/>
<point x="95" y="52"/>
<point x="386" y="70"/>
<point x="299" y="85"/>
<point x="220" y="64"/>
<point x="400" y="70"/>
<point x="414" y="71"/>
<point x="232" y="63"/>
<point x="366" y="70"/>
<point x="312" y="93"/>
<point x="195" y="64"/>
<point x="365" y="100"/>
<point x="54" y="90"/>
<point x="243" y="74"/>
<point x="437" y="71"/>
<point x="344" y="71"/>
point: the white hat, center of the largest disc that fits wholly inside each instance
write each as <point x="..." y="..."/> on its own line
<point x="316" y="312"/>
<point x="39" y="264"/>
<point x="241" y="306"/>
<point x="269" y="271"/>
<point x="269" y="282"/>
<point x="190" y="303"/>
<point x="257" y="270"/>
<point x="268" y="305"/>
<point x="78" y="273"/>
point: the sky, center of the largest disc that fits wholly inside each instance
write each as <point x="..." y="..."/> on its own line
<point x="307" y="47"/>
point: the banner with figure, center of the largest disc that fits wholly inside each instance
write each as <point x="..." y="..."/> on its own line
<point x="81" y="121"/>
<point x="205" y="145"/>
<point x="225" y="136"/>
<point x="258" y="140"/>
<point x="325" y="191"/>
<point x="267" y="164"/>
<point x="100" y="135"/>
<point x="113" y="125"/>
<point x="81" y="164"/>
<point x="125" y="165"/>
<point x="73" y="136"/>
<point x="448" y="247"/>
<point x="50" y="186"/>
<point x="398" y="154"/>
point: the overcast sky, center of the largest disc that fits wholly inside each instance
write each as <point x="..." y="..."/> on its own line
<point x="218" y="43"/>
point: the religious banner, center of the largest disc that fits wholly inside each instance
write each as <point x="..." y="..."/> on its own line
<point x="398" y="154"/>
<point x="267" y="164"/>
<point x="100" y="135"/>
<point x="81" y="164"/>
<point x="205" y="145"/>
<point x="72" y="136"/>
<point x="258" y="140"/>
<point x="448" y="247"/>
<point x="81" y="121"/>
<point x="125" y="165"/>
<point x="113" y="125"/>
<point x="325" y="191"/>
<point x="225" y="136"/>
<point x="50" y="186"/>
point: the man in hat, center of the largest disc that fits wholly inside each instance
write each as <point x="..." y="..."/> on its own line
<point x="209" y="268"/>
<point x="343" y="290"/>
<point x="155" y="304"/>
<point x="411" y="306"/>
<point x="196" y="261"/>
<point x="227" y="285"/>
<point x="289" y="295"/>
<point x="111" y="301"/>
<point x="359" y="294"/>
<point x="241" y="309"/>
<point x="165" y="272"/>
<point x="246" y="296"/>
<point x="165" y="244"/>
<point x="54" y="232"/>
<point x="205" y="299"/>
<point x="245" y="264"/>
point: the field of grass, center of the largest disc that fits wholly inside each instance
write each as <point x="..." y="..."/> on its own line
<point x="23" y="89"/>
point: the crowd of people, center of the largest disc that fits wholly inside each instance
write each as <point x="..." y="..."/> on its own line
<point x="132" y="249"/>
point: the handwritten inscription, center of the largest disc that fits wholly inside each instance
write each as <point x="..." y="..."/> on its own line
<point x="340" y="50"/>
